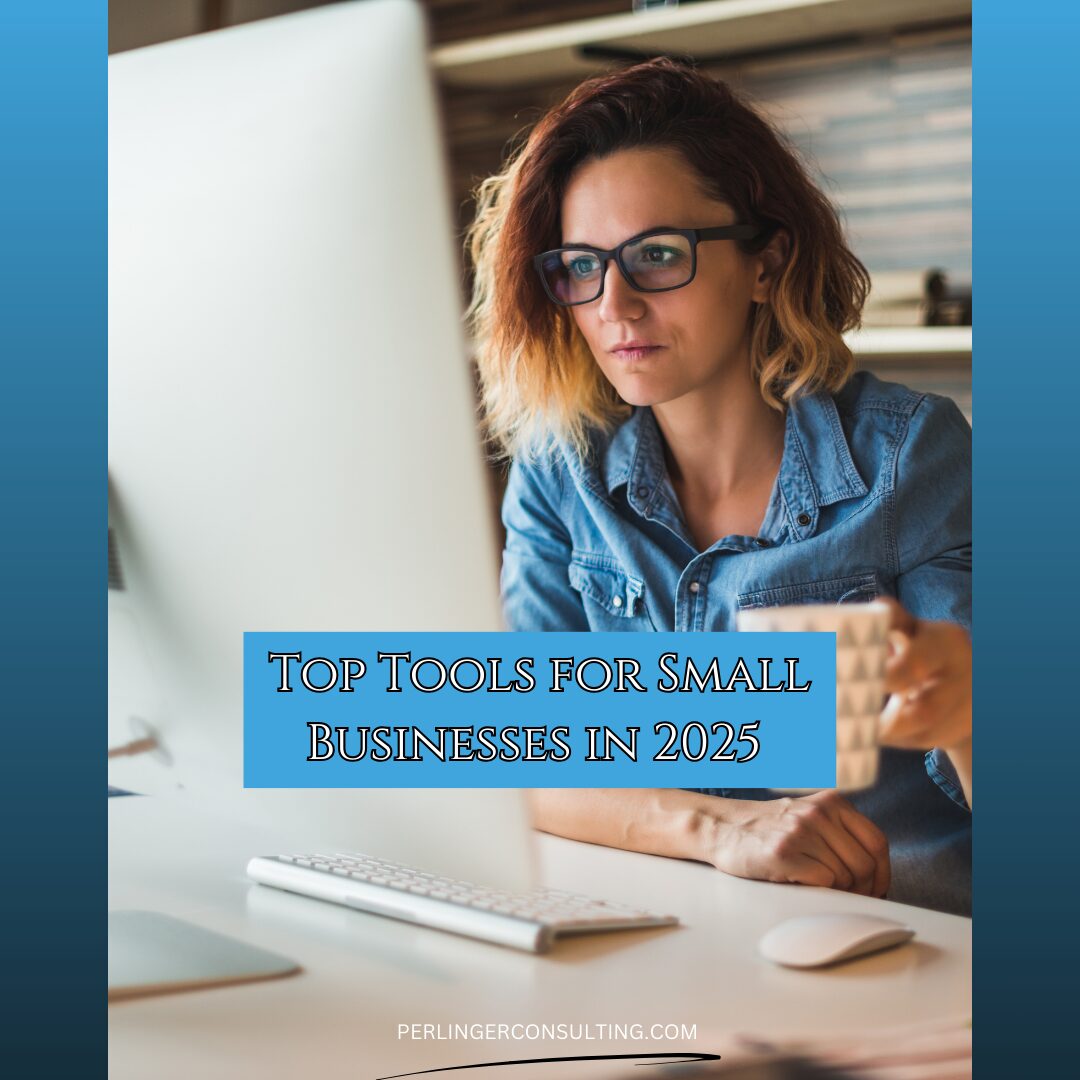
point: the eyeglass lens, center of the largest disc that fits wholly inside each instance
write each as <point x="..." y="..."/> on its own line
<point x="661" y="261"/>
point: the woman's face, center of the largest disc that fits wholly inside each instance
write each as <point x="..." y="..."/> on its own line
<point x="686" y="340"/>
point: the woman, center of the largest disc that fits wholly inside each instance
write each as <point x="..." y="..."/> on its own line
<point x="659" y="301"/>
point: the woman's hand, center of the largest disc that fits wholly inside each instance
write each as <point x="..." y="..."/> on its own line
<point x="819" y="839"/>
<point x="928" y="674"/>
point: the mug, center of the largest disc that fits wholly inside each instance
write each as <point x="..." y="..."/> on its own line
<point x="861" y="651"/>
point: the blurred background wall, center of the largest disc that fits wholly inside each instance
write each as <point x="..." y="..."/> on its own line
<point x="876" y="96"/>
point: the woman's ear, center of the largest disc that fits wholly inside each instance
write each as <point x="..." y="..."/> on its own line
<point x="768" y="264"/>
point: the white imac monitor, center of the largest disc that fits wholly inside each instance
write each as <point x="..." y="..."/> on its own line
<point x="292" y="430"/>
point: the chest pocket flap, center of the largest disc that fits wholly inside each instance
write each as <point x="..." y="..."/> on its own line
<point x="617" y="593"/>
<point x="858" y="588"/>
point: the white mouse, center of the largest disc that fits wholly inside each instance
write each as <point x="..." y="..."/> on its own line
<point x="815" y="940"/>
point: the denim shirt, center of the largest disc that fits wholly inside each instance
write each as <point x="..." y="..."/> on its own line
<point x="873" y="497"/>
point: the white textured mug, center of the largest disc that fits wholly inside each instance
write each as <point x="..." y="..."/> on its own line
<point x="861" y="650"/>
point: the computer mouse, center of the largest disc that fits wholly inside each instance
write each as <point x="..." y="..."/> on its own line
<point x="816" y="940"/>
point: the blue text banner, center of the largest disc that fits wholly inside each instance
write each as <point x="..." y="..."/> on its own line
<point x="426" y="709"/>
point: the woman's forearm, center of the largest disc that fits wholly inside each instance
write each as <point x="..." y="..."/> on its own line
<point x="819" y="839"/>
<point x="658" y="821"/>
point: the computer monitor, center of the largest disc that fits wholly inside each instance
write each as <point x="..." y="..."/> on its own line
<point x="292" y="427"/>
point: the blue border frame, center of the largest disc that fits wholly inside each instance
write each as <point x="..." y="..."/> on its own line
<point x="1026" y="176"/>
<point x="52" y="441"/>
<point x="52" y="433"/>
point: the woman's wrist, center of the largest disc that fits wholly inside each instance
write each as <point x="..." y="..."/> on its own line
<point x="658" y="821"/>
<point x="679" y="824"/>
<point x="962" y="747"/>
<point x="710" y="826"/>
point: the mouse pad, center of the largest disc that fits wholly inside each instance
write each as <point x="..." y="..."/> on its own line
<point x="151" y="953"/>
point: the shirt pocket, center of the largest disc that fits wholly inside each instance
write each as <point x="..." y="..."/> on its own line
<point x="856" y="589"/>
<point x="613" y="599"/>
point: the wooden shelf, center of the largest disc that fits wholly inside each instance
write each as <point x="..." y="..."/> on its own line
<point x="911" y="341"/>
<point x="712" y="28"/>
<point x="905" y="342"/>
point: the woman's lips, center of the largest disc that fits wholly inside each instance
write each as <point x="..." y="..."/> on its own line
<point x="635" y="352"/>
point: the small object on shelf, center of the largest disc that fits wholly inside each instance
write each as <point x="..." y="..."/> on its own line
<point x="901" y="341"/>
<point x="948" y="301"/>
<point x="917" y="298"/>
<point x="645" y="5"/>
<point x="897" y="298"/>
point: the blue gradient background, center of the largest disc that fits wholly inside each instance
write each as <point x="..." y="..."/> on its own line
<point x="52" y="610"/>
<point x="1025" y="391"/>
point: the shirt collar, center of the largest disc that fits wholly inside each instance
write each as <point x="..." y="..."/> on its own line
<point x="634" y="446"/>
<point x="817" y="468"/>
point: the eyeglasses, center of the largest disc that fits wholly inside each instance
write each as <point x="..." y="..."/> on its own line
<point x="654" y="261"/>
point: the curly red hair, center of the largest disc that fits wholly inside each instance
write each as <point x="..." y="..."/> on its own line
<point x="540" y="382"/>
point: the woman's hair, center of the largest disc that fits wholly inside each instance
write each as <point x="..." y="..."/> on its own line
<point x="540" y="382"/>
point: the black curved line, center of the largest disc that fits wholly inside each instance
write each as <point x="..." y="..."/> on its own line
<point x="683" y="1057"/>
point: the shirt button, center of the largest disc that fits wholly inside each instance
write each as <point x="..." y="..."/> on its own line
<point x="642" y="492"/>
<point x="616" y="601"/>
<point x="761" y="542"/>
<point x="695" y="586"/>
<point x="803" y="519"/>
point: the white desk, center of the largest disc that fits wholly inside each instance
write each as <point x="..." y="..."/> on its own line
<point x="363" y="975"/>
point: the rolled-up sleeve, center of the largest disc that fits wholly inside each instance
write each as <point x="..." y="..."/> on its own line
<point x="933" y="532"/>
<point x="535" y="582"/>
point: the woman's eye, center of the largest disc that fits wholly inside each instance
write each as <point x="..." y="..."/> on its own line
<point x="582" y="267"/>
<point x="659" y="256"/>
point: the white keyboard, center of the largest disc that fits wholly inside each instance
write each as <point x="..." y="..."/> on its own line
<point x="529" y="921"/>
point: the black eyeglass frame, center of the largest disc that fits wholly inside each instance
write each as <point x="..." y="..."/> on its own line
<point x="695" y="236"/>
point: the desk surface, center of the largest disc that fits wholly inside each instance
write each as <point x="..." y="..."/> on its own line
<point x="364" y="975"/>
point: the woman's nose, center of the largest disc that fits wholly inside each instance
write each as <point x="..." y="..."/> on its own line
<point x="619" y="301"/>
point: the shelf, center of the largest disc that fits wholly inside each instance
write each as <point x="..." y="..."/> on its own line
<point x="911" y="341"/>
<point x="712" y="28"/>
